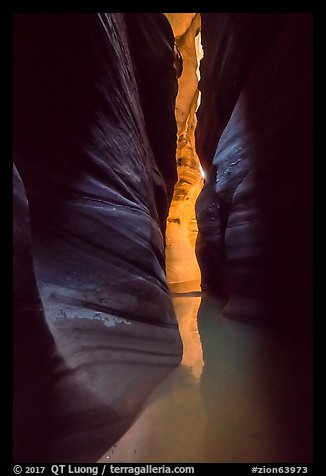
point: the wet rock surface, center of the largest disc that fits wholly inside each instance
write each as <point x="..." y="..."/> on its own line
<point x="92" y="182"/>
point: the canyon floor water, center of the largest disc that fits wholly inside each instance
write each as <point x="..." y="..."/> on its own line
<point x="235" y="397"/>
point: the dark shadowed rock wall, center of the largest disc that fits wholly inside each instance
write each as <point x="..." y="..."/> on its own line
<point x="34" y="347"/>
<point x="151" y="44"/>
<point x="95" y="192"/>
<point x="254" y="138"/>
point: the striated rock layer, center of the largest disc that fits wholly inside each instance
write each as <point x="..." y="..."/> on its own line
<point x="181" y="233"/>
<point x="254" y="140"/>
<point x="157" y="85"/>
<point x="95" y="191"/>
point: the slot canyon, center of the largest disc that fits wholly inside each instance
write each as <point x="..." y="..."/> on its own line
<point x="162" y="237"/>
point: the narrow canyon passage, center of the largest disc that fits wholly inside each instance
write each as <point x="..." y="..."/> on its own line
<point x="162" y="248"/>
<point x="230" y="399"/>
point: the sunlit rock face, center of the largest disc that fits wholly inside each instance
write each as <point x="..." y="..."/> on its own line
<point x="254" y="140"/>
<point x="182" y="268"/>
<point x="95" y="190"/>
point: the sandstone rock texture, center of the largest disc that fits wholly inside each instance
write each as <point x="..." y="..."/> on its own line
<point x="157" y="85"/>
<point x="181" y="233"/>
<point x="254" y="140"/>
<point x="92" y="269"/>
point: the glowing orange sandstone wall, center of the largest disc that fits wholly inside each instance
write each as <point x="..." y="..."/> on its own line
<point x="182" y="269"/>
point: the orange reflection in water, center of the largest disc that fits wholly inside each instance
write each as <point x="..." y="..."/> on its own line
<point x="186" y="309"/>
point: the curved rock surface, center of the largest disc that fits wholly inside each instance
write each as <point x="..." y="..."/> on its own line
<point x="254" y="139"/>
<point x="34" y="347"/>
<point x="94" y="189"/>
<point x="157" y="85"/>
<point x="181" y="233"/>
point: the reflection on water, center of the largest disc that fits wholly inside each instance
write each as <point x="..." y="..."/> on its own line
<point x="186" y="309"/>
<point x="172" y="424"/>
<point x="241" y="395"/>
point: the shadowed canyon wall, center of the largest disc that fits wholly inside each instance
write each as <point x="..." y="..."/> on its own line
<point x="254" y="139"/>
<point x="33" y="344"/>
<point x="157" y="85"/>
<point x="86" y="149"/>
